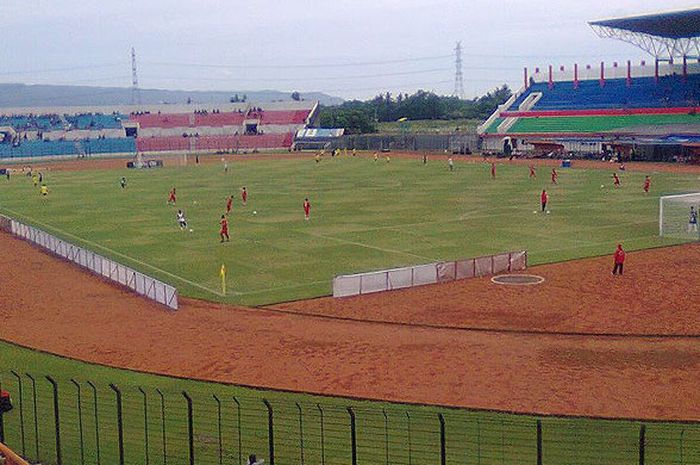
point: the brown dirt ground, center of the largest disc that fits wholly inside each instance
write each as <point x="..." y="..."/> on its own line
<point x="53" y="305"/>
<point x="655" y="297"/>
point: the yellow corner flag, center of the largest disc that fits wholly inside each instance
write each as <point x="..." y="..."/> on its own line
<point x="222" y="273"/>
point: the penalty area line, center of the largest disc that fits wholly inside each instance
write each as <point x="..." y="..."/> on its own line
<point x="118" y="254"/>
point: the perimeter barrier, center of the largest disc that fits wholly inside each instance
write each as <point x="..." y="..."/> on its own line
<point x="76" y="421"/>
<point x="111" y="270"/>
<point x="432" y="273"/>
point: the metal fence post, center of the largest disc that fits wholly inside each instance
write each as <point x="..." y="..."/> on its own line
<point x="162" y="424"/>
<point x="190" y="426"/>
<point x="323" y="447"/>
<point x="20" y="396"/>
<point x="238" y="411"/>
<point x="145" y="423"/>
<point x="539" y="442"/>
<point x="443" y="448"/>
<point x="270" y="431"/>
<point x="120" y="423"/>
<point x="410" y="447"/>
<point x="80" y="421"/>
<point x="57" y="420"/>
<point x="97" y="422"/>
<point x="353" y="435"/>
<point x="642" y="443"/>
<point x="301" y="433"/>
<point x="218" y="429"/>
<point x="36" y="416"/>
<point x="386" y="436"/>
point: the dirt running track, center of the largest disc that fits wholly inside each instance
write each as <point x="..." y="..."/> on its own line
<point x="53" y="305"/>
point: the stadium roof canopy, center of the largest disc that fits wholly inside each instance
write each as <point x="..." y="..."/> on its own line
<point x="663" y="35"/>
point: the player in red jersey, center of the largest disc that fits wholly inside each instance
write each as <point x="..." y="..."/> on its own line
<point x="244" y="196"/>
<point x="555" y="175"/>
<point x="544" y="198"/>
<point x="307" y="209"/>
<point x="172" y="198"/>
<point x="493" y="170"/>
<point x="619" y="258"/>
<point x="223" y="232"/>
<point x="229" y="204"/>
<point x="647" y="184"/>
<point x="616" y="180"/>
<point x="533" y="173"/>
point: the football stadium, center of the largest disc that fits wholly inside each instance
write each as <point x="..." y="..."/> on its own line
<point x="235" y="283"/>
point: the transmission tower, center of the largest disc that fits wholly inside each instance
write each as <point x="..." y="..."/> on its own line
<point x="135" y="93"/>
<point x="459" y="77"/>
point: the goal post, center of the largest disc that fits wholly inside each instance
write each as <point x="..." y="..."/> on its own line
<point x="675" y="216"/>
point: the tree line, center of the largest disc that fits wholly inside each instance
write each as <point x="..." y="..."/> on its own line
<point x="360" y="117"/>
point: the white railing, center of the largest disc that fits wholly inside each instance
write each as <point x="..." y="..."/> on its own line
<point x="504" y="107"/>
<point x="136" y="281"/>
<point x="432" y="273"/>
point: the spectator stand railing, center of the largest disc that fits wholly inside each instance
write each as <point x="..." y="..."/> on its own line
<point x="432" y="273"/>
<point x="111" y="270"/>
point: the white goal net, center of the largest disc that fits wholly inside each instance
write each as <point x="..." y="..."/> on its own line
<point x="679" y="217"/>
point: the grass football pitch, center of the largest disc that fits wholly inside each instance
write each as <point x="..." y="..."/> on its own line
<point x="365" y="216"/>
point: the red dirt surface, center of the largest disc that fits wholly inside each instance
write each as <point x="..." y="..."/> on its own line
<point x="655" y="297"/>
<point x="54" y="306"/>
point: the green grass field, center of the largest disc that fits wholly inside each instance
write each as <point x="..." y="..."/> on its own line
<point x="430" y="126"/>
<point x="366" y="216"/>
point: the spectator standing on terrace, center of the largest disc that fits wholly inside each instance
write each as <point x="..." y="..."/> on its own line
<point x="307" y="209"/>
<point x="647" y="184"/>
<point x="244" y="196"/>
<point x="619" y="258"/>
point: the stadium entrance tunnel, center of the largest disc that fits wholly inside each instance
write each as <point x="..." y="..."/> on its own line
<point x="518" y="279"/>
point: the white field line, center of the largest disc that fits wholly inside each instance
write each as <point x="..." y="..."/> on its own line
<point x="360" y="244"/>
<point x="118" y="254"/>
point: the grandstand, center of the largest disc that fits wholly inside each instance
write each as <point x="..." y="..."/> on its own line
<point x="649" y="109"/>
<point x="27" y="133"/>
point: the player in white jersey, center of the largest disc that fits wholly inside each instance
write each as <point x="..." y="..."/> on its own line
<point x="181" y="220"/>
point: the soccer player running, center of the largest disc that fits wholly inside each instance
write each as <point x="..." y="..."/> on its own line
<point x="223" y="231"/>
<point x="647" y="184"/>
<point x="533" y="172"/>
<point x="307" y="209"/>
<point x="619" y="259"/>
<point x="122" y="182"/>
<point x="555" y="176"/>
<point x="616" y="180"/>
<point x="493" y="170"/>
<point x="45" y="191"/>
<point x="172" y="197"/>
<point x="181" y="220"/>
<point x="544" y="198"/>
<point x="244" y="196"/>
<point x="693" y="220"/>
<point x="229" y="204"/>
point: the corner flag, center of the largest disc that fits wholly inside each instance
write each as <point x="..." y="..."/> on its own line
<point x="222" y="273"/>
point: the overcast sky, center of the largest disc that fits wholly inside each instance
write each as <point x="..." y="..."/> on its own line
<point x="352" y="49"/>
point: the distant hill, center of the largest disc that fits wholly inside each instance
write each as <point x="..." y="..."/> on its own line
<point x="22" y="95"/>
